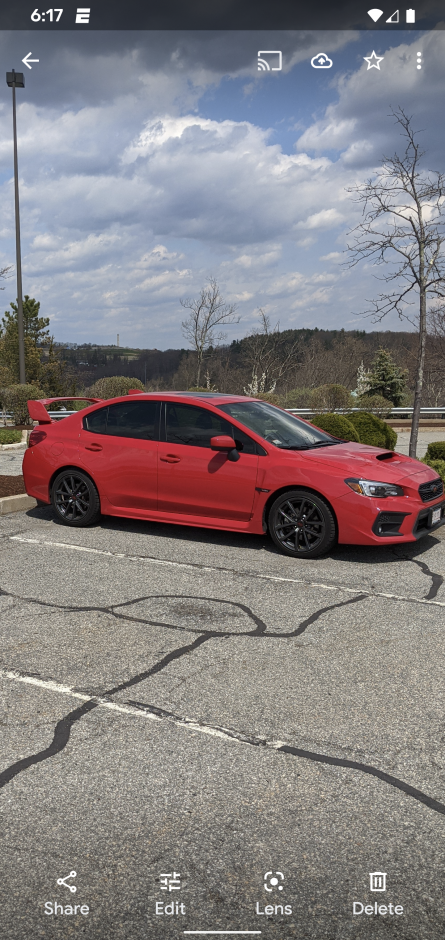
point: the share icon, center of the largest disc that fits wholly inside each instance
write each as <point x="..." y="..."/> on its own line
<point x="63" y="881"/>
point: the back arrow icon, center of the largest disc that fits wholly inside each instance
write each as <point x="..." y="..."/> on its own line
<point x="27" y="60"/>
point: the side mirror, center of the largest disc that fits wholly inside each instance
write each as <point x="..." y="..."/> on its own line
<point x="223" y="442"/>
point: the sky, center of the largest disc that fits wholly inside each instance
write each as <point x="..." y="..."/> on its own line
<point x="151" y="161"/>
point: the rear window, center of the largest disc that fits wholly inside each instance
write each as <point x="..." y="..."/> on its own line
<point x="133" y="419"/>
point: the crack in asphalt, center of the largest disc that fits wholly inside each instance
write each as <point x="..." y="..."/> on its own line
<point x="234" y="572"/>
<point x="436" y="579"/>
<point x="63" y="727"/>
<point x="113" y="611"/>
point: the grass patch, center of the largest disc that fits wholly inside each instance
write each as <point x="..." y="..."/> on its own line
<point x="9" y="436"/>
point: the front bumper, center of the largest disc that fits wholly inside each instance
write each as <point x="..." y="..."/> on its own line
<point x="424" y="522"/>
<point x="366" y="521"/>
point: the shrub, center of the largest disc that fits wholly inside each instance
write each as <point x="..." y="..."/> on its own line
<point x="112" y="386"/>
<point x="9" y="436"/>
<point x="375" y="403"/>
<point x="337" y="425"/>
<point x="80" y="405"/>
<point x="330" y="397"/>
<point x="269" y="397"/>
<point x="6" y="376"/>
<point x="435" y="451"/>
<point x="373" y="430"/>
<point x="15" y="397"/>
<point x="437" y="465"/>
<point x="297" y="398"/>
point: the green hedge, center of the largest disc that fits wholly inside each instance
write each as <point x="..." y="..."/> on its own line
<point x="9" y="436"/>
<point x="15" y="398"/>
<point x="436" y="451"/>
<point x="373" y="430"/>
<point x="359" y="426"/>
<point x="113" y="386"/>
<point x="437" y="465"/>
<point x="337" y="425"/>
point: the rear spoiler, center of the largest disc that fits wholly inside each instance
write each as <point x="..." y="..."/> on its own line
<point x="37" y="407"/>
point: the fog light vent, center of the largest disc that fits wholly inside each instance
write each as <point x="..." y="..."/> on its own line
<point x="388" y="523"/>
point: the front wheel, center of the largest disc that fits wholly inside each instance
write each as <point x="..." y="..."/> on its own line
<point x="75" y="499"/>
<point x="301" y="524"/>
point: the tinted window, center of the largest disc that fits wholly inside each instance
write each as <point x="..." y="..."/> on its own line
<point x="96" y="421"/>
<point x="244" y="443"/>
<point x="133" y="419"/>
<point x="187" y="424"/>
<point x="136" y="419"/>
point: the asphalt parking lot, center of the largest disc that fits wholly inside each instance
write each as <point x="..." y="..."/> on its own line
<point x="188" y="702"/>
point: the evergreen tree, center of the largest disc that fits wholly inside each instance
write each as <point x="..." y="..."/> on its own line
<point x="35" y="332"/>
<point x="52" y="373"/>
<point x="386" y="378"/>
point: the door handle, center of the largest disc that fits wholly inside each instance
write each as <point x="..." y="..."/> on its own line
<point x="170" y="458"/>
<point x="93" y="446"/>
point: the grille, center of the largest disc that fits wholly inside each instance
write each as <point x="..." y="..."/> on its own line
<point x="431" y="490"/>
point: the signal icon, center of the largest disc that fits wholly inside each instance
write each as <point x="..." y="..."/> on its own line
<point x="263" y="66"/>
<point x="375" y="14"/>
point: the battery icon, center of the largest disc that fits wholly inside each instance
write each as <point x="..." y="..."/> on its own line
<point x="410" y="16"/>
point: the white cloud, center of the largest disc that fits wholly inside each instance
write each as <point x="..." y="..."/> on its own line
<point x="359" y="124"/>
<point x="130" y="198"/>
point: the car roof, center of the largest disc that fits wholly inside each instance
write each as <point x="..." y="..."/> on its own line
<point x="221" y="397"/>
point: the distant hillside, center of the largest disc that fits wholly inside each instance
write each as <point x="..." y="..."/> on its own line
<point x="302" y="358"/>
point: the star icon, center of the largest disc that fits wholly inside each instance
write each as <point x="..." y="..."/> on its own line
<point x="373" y="61"/>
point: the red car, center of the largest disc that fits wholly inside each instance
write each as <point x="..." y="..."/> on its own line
<point x="227" y="462"/>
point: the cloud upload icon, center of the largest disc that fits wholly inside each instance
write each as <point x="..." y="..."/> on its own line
<point x="321" y="61"/>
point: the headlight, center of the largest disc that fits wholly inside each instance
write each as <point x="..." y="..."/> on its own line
<point x="374" y="488"/>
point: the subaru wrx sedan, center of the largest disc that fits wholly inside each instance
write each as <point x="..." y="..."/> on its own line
<point x="227" y="462"/>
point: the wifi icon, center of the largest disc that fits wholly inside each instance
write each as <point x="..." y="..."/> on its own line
<point x="375" y="14"/>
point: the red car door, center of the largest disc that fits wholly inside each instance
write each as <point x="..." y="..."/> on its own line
<point x="195" y="480"/>
<point x="118" y="445"/>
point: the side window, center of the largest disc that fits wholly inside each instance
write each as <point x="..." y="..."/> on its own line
<point x="243" y="442"/>
<point x="136" y="419"/>
<point x="96" y="421"/>
<point x="189" y="424"/>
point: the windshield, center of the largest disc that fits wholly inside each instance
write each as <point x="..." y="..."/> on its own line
<point x="276" y="426"/>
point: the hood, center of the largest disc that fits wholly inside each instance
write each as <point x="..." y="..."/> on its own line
<point x="373" y="463"/>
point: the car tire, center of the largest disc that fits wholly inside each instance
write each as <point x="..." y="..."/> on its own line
<point x="302" y="524"/>
<point x="75" y="499"/>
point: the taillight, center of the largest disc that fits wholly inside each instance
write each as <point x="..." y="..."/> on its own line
<point x="36" y="437"/>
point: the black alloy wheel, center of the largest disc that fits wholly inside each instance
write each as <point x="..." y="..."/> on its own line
<point x="75" y="499"/>
<point x="301" y="524"/>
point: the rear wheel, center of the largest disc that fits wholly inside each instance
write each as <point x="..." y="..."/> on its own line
<point x="301" y="524"/>
<point x="75" y="499"/>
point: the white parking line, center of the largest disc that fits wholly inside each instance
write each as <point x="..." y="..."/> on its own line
<point x="134" y="711"/>
<point x="240" y="574"/>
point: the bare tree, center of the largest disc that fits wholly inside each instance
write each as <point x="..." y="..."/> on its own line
<point x="4" y="273"/>
<point x="403" y="228"/>
<point x="207" y="312"/>
<point x="270" y="359"/>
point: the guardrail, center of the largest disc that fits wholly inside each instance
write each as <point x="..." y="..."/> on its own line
<point x="439" y="411"/>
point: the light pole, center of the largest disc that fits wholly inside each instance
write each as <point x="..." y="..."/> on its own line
<point x="17" y="80"/>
